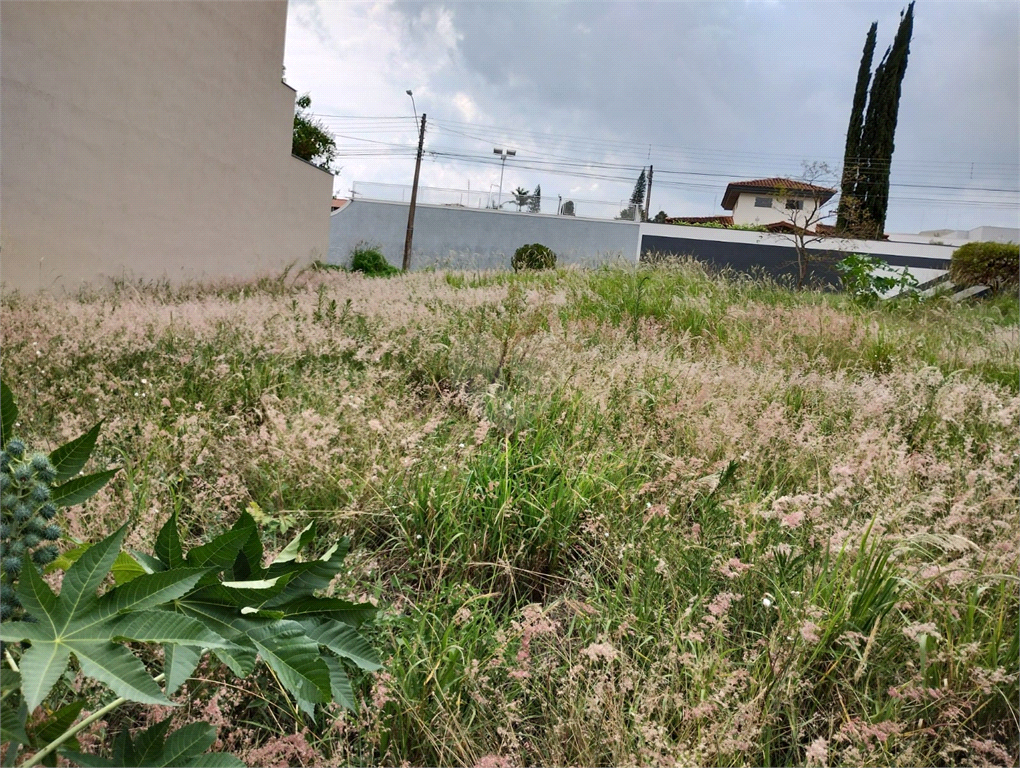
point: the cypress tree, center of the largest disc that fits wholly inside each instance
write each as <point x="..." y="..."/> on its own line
<point x="638" y="195"/>
<point x="877" y="144"/>
<point x="851" y="156"/>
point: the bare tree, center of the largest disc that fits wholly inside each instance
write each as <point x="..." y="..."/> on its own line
<point x="807" y="207"/>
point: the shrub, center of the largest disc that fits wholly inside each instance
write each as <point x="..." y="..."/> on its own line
<point x="992" y="264"/>
<point x="369" y="259"/>
<point x="533" y="256"/>
<point x="858" y="274"/>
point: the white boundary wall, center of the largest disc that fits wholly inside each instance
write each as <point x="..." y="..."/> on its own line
<point x="468" y="238"/>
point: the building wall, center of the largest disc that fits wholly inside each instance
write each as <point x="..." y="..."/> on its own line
<point x="468" y="238"/>
<point x="150" y="140"/>
<point x="775" y="255"/>
<point x="745" y="212"/>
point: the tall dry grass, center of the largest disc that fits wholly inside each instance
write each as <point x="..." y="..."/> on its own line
<point x="615" y="517"/>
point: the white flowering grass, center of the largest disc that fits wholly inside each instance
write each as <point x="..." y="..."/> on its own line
<point x="611" y="517"/>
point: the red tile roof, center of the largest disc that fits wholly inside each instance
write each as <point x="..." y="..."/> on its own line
<point x="771" y="187"/>
<point x="726" y="220"/>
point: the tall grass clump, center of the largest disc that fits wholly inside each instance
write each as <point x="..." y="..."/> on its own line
<point x="655" y="515"/>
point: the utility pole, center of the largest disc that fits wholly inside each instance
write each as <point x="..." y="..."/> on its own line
<point x="648" y="194"/>
<point x="414" y="198"/>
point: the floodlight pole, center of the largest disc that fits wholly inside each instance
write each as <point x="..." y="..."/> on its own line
<point x="504" y="154"/>
<point x="414" y="197"/>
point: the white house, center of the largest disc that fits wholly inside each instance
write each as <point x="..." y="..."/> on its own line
<point x="775" y="201"/>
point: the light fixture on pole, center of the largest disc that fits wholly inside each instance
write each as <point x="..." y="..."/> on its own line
<point x="409" y="93"/>
<point x="504" y="154"/>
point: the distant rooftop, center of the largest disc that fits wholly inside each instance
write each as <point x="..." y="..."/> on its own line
<point x="773" y="186"/>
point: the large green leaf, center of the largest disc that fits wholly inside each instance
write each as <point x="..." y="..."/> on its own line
<point x="83" y="578"/>
<point x="169" y="549"/>
<point x="220" y="552"/>
<point x="248" y="564"/>
<point x="309" y="576"/>
<point x="339" y="683"/>
<point x="69" y="458"/>
<point x="344" y="641"/>
<point x="294" y="657"/>
<point x="299" y="542"/>
<point x="77" y="621"/>
<point x="8" y="414"/>
<point x="12" y="723"/>
<point x="153" y="748"/>
<point x="149" y="590"/>
<point x="221" y="620"/>
<point x="54" y="726"/>
<point x="179" y="661"/>
<point x="354" y="614"/>
<point x="126" y="568"/>
<point x="81" y="488"/>
<point x="253" y="608"/>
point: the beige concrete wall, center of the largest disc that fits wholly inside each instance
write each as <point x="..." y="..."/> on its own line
<point x="147" y="140"/>
<point x="745" y="212"/>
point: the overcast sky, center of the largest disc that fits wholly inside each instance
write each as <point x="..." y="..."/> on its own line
<point x="588" y="93"/>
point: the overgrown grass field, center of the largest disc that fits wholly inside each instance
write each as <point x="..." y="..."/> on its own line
<point x="614" y="517"/>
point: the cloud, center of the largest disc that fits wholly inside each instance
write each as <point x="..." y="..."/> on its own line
<point x="717" y="90"/>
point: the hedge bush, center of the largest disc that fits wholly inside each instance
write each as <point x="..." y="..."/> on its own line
<point x="533" y="256"/>
<point x="370" y="260"/>
<point x="993" y="264"/>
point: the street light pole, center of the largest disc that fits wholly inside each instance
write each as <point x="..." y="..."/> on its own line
<point x="406" y="265"/>
<point x="504" y="154"/>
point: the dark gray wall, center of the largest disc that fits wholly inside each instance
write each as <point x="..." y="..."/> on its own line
<point x="777" y="261"/>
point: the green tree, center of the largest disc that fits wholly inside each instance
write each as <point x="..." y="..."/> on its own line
<point x="660" y="217"/>
<point x="851" y="156"/>
<point x="637" y="197"/>
<point x="521" y="197"/>
<point x="567" y="209"/>
<point x="877" y="144"/>
<point x="535" y="203"/>
<point x="312" y="141"/>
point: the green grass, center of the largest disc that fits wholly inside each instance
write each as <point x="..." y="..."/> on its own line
<point x="615" y="516"/>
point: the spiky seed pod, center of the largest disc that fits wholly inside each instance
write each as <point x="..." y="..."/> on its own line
<point x="5" y="482"/>
<point x="6" y="611"/>
<point x="7" y="594"/>
<point x="52" y="532"/>
<point x="40" y="462"/>
<point x="45" y="555"/>
<point x="5" y="461"/>
<point x="32" y="540"/>
<point x="16" y="448"/>
<point x="11" y="564"/>
<point x="5" y="530"/>
<point x="47" y="511"/>
<point x="40" y="493"/>
<point x="17" y="548"/>
<point x="22" y="473"/>
<point x="22" y="512"/>
<point x="35" y="525"/>
<point x="9" y="500"/>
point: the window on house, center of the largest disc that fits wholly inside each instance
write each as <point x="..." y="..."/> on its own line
<point x="795" y="205"/>
<point x="763" y="202"/>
